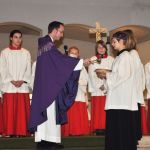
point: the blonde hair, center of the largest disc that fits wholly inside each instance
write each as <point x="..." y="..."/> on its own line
<point x="73" y="47"/>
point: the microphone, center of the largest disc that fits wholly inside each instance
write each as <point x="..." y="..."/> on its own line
<point x="65" y="48"/>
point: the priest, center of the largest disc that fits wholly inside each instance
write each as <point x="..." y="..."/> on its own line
<point x="54" y="90"/>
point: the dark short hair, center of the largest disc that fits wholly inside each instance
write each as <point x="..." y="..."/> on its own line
<point x="14" y="32"/>
<point x="120" y="35"/>
<point x="100" y="42"/>
<point x="54" y="25"/>
<point x="126" y="37"/>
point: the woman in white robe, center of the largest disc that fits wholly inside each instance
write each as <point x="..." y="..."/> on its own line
<point x="121" y="103"/>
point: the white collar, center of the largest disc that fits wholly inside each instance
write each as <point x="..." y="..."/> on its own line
<point x="51" y="38"/>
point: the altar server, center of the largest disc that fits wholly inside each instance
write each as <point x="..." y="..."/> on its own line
<point x="121" y="102"/>
<point x="98" y="89"/>
<point x="15" y="64"/>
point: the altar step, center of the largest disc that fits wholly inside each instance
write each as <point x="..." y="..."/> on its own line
<point x="144" y="143"/>
<point x="70" y="143"/>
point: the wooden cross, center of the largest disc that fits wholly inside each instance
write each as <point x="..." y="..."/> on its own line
<point x="98" y="30"/>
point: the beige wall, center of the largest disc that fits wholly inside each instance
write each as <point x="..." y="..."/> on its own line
<point x="111" y="14"/>
<point x="144" y="51"/>
<point x="39" y="13"/>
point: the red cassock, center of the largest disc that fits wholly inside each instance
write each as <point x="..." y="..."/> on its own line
<point x="148" y="116"/>
<point x="16" y="108"/>
<point x="98" y="114"/>
<point x="78" y="123"/>
<point x="1" y="117"/>
<point x="144" y="121"/>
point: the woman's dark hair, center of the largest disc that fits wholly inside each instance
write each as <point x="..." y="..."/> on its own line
<point x="12" y="34"/>
<point x="120" y="35"/>
<point x="54" y="25"/>
<point x="100" y="42"/>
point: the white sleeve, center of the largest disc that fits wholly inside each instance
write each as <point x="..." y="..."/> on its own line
<point x="143" y="77"/>
<point x="94" y="82"/>
<point x="147" y="76"/>
<point x="140" y="74"/>
<point x="5" y="75"/>
<point x="83" y="77"/>
<point x="91" y="78"/>
<point x="79" y="65"/>
<point x="27" y="74"/>
<point x="83" y="80"/>
<point x="33" y="74"/>
<point x="111" y="63"/>
<point x="121" y="74"/>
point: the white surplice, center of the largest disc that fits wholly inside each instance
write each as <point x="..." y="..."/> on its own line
<point x="147" y="74"/>
<point x="49" y="130"/>
<point x="121" y="84"/>
<point x="139" y="76"/>
<point x="15" y="65"/>
<point x="94" y="82"/>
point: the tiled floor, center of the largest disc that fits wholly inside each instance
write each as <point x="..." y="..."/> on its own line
<point x="144" y="144"/>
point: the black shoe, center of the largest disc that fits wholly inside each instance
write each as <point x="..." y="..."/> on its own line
<point x="53" y="147"/>
<point x="43" y="145"/>
<point x="40" y="146"/>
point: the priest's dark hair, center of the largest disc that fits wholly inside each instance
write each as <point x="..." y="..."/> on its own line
<point x="12" y="34"/>
<point x="54" y="25"/>
<point x="103" y="44"/>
